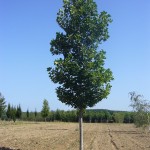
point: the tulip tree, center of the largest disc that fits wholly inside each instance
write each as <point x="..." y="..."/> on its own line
<point x="79" y="71"/>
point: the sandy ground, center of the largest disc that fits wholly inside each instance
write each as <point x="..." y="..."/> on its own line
<point x="65" y="136"/>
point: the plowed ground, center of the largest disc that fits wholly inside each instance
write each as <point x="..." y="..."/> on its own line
<point x="65" y="136"/>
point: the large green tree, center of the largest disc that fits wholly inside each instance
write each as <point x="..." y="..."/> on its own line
<point x="45" y="109"/>
<point x="2" y="105"/>
<point x="80" y="69"/>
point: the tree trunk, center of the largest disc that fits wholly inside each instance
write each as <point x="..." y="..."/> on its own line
<point x="81" y="128"/>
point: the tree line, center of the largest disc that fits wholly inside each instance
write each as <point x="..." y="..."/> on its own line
<point x="10" y="112"/>
<point x="89" y="116"/>
<point x="139" y="116"/>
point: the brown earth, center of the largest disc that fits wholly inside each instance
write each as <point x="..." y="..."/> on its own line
<point x="65" y="136"/>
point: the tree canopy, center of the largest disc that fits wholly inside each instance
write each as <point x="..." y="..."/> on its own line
<point x="80" y="69"/>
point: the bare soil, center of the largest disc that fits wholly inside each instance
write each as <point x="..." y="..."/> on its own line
<point x="65" y="136"/>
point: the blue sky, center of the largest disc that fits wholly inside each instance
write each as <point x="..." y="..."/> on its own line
<point x="26" y="29"/>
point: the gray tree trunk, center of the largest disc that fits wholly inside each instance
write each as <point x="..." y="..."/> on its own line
<point x="81" y="128"/>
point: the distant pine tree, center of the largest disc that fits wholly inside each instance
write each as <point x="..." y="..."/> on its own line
<point x="18" y="112"/>
<point x="2" y="105"/>
<point x="27" y="113"/>
<point x="8" y="112"/>
<point x="13" y="113"/>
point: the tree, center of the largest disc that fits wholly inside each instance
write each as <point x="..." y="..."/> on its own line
<point x="102" y="115"/>
<point x="18" y="112"/>
<point x="45" y="109"/>
<point x="58" y="115"/>
<point x="108" y="116"/>
<point x="2" y="105"/>
<point x="119" y="117"/>
<point x="35" y="114"/>
<point x="27" y="113"/>
<point x="8" y="112"/>
<point x="13" y="113"/>
<point x="141" y="107"/>
<point x="128" y="117"/>
<point x="80" y="69"/>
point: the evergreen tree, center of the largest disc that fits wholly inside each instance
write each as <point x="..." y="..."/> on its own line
<point x="8" y="112"/>
<point x="27" y="113"/>
<point x="2" y="105"/>
<point x="18" y="112"/>
<point x="13" y="113"/>
<point x="80" y="70"/>
<point x="35" y="113"/>
<point x="45" y="109"/>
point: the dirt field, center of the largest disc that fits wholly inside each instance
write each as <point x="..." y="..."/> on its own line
<point x="64" y="136"/>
